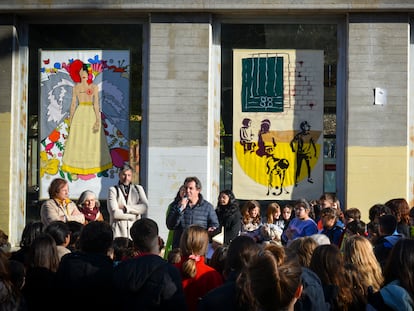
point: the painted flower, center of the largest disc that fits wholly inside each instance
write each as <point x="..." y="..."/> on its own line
<point x="54" y="136"/>
<point x="48" y="166"/>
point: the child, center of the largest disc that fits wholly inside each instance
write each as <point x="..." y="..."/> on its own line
<point x="273" y="225"/>
<point x="251" y="220"/>
<point x="286" y="215"/>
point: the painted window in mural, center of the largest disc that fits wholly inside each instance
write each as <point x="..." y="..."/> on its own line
<point x="106" y="107"/>
<point x="280" y="154"/>
<point x="262" y="83"/>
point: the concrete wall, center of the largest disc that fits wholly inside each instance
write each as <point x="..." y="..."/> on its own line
<point x="178" y="108"/>
<point x="377" y="144"/>
<point x="256" y="6"/>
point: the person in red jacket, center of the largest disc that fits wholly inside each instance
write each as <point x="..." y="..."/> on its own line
<point x="197" y="277"/>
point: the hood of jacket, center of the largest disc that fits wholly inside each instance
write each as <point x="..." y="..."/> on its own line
<point x="144" y="273"/>
<point x="396" y="297"/>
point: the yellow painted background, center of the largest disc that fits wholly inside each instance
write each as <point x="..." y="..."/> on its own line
<point x="375" y="175"/>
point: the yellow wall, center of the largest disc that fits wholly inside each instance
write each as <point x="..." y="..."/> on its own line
<point x="375" y="175"/>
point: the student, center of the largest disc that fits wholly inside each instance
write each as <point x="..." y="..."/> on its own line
<point x="401" y="210"/>
<point x="30" y="231"/>
<point x="287" y="215"/>
<point x="301" y="250"/>
<point x="398" y="292"/>
<point x="360" y="262"/>
<point x="272" y="223"/>
<point x="274" y="287"/>
<point x="355" y="227"/>
<point x="227" y="297"/>
<point x="60" y="232"/>
<point x="147" y="281"/>
<point x="351" y="214"/>
<point x="327" y="263"/>
<point x="302" y="225"/>
<point x="197" y="277"/>
<point x="388" y="236"/>
<point x="218" y="259"/>
<point x="251" y="220"/>
<point x="178" y="197"/>
<point x="229" y="216"/>
<point x="374" y="213"/>
<point x="75" y="231"/>
<point x="41" y="266"/>
<point x="331" y="227"/>
<point x="87" y="275"/>
<point x="10" y="296"/>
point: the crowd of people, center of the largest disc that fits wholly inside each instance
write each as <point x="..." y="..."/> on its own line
<point x="302" y="255"/>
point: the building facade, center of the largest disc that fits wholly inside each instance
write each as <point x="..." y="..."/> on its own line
<point x="182" y="82"/>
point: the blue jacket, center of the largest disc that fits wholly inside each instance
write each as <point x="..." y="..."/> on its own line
<point x="202" y="214"/>
<point x="312" y="298"/>
<point x="334" y="234"/>
<point x="391" y="297"/>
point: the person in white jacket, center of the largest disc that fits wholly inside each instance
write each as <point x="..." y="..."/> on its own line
<point x="126" y="203"/>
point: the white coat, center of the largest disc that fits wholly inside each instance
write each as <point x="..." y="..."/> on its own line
<point x="121" y="219"/>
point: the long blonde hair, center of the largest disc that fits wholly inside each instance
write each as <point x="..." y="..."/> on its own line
<point x="359" y="253"/>
<point x="193" y="244"/>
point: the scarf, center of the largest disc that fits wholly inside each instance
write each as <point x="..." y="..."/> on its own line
<point x="63" y="204"/>
<point x="90" y="215"/>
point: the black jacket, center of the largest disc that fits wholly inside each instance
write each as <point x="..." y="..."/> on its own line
<point x="223" y="298"/>
<point x="148" y="283"/>
<point x="230" y="218"/>
<point x="383" y="246"/>
<point x="86" y="281"/>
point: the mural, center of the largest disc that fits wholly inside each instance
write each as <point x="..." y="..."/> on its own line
<point x="278" y="114"/>
<point x="84" y="119"/>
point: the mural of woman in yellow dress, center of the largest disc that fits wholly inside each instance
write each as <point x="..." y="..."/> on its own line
<point x="86" y="149"/>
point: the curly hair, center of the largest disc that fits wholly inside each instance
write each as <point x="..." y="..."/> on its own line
<point x="247" y="207"/>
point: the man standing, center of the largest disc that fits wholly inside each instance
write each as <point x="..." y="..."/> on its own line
<point x="126" y="203"/>
<point x="192" y="209"/>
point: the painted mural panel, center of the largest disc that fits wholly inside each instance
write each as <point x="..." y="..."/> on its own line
<point x="84" y="118"/>
<point x="277" y="124"/>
